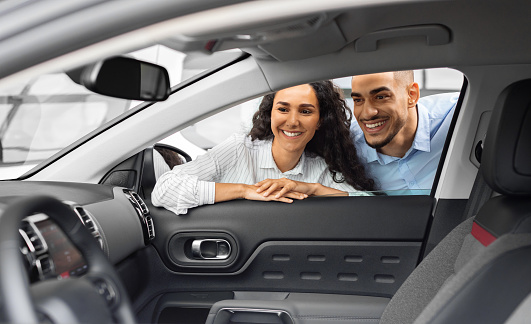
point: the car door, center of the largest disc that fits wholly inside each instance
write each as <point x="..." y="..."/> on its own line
<point x="365" y="245"/>
<point x="245" y="250"/>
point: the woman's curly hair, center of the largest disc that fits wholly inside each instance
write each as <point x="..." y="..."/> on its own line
<point x="331" y="141"/>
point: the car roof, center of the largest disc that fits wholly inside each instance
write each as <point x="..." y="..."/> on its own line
<point x="315" y="39"/>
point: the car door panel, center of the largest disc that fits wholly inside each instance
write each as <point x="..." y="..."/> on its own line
<point x="323" y="245"/>
<point x="316" y="241"/>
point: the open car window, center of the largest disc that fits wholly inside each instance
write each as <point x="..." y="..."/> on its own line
<point x="207" y="133"/>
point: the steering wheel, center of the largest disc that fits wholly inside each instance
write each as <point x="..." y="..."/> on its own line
<point x="96" y="297"/>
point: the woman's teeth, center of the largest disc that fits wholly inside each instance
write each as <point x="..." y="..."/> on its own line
<point x="290" y="134"/>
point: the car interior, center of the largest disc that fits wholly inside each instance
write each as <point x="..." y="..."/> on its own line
<point x="81" y="242"/>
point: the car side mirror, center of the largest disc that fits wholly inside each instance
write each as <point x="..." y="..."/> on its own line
<point x="124" y="77"/>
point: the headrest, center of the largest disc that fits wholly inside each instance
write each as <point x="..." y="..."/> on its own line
<point x="506" y="157"/>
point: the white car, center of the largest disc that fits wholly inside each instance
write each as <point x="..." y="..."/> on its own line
<point x="72" y="157"/>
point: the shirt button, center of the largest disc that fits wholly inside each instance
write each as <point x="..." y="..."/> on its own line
<point x="411" y="183"/>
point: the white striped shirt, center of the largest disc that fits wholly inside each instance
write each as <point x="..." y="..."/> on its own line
<point x="236" y="160"/>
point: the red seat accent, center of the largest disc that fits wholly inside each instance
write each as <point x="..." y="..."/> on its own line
<point x="482" y="235"/>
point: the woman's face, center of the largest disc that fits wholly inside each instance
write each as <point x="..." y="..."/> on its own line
<point x="294" y="118"/>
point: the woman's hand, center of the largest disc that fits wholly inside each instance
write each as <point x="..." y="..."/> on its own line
<point x="251" y="193"/>
<point x="230" y="191"/>
<point x="283" y="190"/>
<point x="282" y="187"/>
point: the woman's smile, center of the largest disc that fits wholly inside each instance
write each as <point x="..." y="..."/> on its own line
<point x="291" y="134"/>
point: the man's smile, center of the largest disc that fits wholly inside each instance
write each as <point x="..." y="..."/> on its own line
<point x="375" y="126"/>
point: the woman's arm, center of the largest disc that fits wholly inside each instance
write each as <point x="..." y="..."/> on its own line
<point x="178" y="191"/>
<point x="192" y="184"/>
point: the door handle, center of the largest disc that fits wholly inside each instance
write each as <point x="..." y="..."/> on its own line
<point x="211" y="249"/>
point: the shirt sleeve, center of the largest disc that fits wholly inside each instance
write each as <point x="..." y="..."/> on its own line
<point x="327" y="180"/>
<point x="159" y="164"/>
<point x="343" y="186"/>
<point x="193" y="184"/>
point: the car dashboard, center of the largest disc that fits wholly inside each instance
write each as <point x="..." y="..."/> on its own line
<point x="47" y="251"/>
<point x="117" y="218"/>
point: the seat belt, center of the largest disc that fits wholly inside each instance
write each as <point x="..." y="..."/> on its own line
<point x="481" y="191"/>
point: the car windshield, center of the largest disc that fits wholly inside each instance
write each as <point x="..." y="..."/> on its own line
<point x="45" y="115"/>
<point x="40" y="117"/>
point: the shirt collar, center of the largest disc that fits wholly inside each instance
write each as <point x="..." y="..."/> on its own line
<point x="266" y="160"/>
<point x="422" y="136"/>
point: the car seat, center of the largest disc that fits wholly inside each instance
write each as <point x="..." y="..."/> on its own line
<point x="481" y="271"/>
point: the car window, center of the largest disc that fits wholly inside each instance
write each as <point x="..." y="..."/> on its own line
<point x="211" y="131"/>
<point x="207" y="133"/>
<point x="41" y="116"/>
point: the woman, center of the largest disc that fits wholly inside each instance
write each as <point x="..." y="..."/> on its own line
<point x="299" y="146"/>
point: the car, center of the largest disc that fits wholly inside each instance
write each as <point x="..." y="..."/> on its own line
<point x="81" y="240"/>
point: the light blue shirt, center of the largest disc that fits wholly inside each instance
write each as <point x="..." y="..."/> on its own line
<point x="416" y="169"/>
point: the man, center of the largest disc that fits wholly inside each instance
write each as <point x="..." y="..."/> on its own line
<point x="399" y="135"/>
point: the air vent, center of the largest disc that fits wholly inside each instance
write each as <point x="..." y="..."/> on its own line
<point x="143" y="214"/>
<point x="141" y="203"/>
<point x="150" y="227"/>
<point x="45" y="267"/>
<point x="35" y="242"/>
<point x="88" y="220"/>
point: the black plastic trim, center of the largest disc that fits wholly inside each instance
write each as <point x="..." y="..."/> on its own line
<point x="448" y="215"/>
<point x="313" y="219"/>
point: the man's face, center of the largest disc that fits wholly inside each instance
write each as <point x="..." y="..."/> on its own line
<point x="381" y="108"/>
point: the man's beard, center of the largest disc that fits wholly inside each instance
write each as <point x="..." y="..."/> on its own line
<point x="400" y="124"/>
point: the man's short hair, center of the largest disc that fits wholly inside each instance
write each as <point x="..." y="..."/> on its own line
<point x="404" y="78"/>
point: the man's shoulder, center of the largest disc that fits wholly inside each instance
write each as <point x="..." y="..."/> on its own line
<point x="439" y="105"/>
